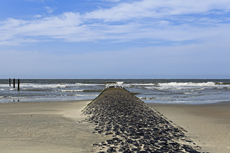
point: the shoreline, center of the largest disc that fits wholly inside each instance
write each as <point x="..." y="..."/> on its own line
<point x="163" y="103"/>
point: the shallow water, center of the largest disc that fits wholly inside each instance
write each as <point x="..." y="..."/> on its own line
<point x="149" y="90"/>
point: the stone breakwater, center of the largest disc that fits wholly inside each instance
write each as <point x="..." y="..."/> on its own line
<point x="133" y="126"/>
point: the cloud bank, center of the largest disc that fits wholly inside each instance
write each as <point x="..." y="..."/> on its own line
<point x="152" y="20"/>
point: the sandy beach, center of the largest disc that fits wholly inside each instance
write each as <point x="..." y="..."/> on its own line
<point x="54" y="126"/>
<point x="45" y="127"/>
<point x="208" y="125"/>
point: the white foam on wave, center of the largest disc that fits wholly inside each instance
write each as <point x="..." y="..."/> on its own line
<point x="4" y="85"/>
<point x="187" y="84"/>
<point x="144" y="84"/>
<point x="191" y="86"/>
<point x="34" y="85"/>
<point x="140" y="84"/>
<point x="88" y="84"/>
<point x="83" y="95"/>
<point x="71" y="90"/>
<point x="116" y="85"/>
<point x="120" y="83"/>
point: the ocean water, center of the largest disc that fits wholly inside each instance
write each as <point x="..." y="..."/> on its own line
<point x="187" y="91"/>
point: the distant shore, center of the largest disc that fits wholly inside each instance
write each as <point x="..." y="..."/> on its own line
<point x="53" y="126"/>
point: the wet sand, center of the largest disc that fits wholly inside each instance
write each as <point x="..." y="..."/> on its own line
<point x="208" y="125"/>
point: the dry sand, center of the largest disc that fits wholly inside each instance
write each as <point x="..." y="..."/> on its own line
<point x="207" y="125"/>
<point x="38" y="127"/>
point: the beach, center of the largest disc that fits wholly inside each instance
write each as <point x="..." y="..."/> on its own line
<point x="46" y="127"/>
<point x="54" y="126"/>
<point x="208" y="125"/>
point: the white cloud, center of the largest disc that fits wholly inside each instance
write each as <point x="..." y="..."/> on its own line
<point x="49" y="9"/>
<point x="157" y="9"/>
<point x="37" y="16"/>
<point x="147" y="19"/>
<point x="53" y="27"/>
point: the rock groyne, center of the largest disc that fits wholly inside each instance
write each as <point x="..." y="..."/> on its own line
<point x="134" y="127"/>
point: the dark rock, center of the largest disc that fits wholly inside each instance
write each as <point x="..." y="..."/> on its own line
<point x="116" y="112"/>
<point x="111" y="149"/>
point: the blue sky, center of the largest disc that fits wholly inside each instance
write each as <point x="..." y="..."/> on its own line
<point x="115" y="39"/>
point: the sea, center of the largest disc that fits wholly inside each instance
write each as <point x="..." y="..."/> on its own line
<point x="167" y="91"/>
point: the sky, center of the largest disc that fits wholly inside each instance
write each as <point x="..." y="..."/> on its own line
<point x="105" y="39"/>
